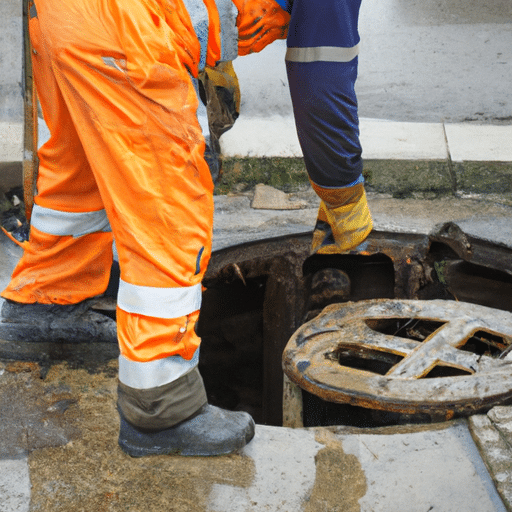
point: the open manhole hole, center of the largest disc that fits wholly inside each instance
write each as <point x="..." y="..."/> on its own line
<point x="258" y="294"/>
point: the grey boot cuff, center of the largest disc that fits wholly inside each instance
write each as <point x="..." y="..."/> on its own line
<point x="164" y="406"/>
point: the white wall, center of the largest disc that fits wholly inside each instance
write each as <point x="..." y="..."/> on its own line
<point x="11" y="101"/>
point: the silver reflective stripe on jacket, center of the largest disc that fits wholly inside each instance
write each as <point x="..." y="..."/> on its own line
<point x="322" y="53"/>
<point x="58" y="223"/>
<point x="154" y="373"/>
<point x="159" y="302"/>
<point x="200" y="21"/>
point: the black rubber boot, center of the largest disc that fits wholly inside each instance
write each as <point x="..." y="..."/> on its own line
<point x="211" y="431"/>
<point x="74" y="323"/>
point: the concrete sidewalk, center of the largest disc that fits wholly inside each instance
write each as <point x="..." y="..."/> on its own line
<point x="58" y="453"/>
<point x="381" y="140"/>
<point x="58" y="425"/>
<point x="58" y="448"/>
<point x="275" y="136"/>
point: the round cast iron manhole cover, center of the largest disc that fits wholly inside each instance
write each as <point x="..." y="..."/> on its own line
<point x="407" y="356"/>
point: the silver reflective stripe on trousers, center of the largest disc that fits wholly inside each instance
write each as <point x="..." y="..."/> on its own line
<point x="228" y="14"/>
<point x="159" y="302"/>
<point x="154" y="373"/>
<point x="58" y="223"/>
<point x="200" y="21"/>
<point x="322" y="53"/>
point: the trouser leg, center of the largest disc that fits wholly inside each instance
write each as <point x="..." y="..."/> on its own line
<point x="69" y="255"/>
<point x="325" y="108"/>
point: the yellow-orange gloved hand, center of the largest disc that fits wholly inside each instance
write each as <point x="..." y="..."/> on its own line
<point x="259" y="22"/>
<point x="344" y="219"/>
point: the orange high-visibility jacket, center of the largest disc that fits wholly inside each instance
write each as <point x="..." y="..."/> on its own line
<point x="117" y="82"/>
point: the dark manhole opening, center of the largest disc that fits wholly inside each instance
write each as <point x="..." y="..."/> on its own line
<point x="445" y="371"/>
<point x="484" y="343"/>
<point x="410" y="328"/>
<point x="231" y="328"/>
<point x="368" y="360"/>
<point x="257" y="296"/>
<point x="245" y="319"/>
<point x="320" y="413"/>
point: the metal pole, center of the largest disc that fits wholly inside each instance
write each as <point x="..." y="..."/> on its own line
<point x="30" y="160"/>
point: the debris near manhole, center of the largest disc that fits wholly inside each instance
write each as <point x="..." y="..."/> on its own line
<point x="61" y="406"/>
<point x="22" y="367"/>
<point x="435" y="357"/>
<point x="270" y="198"/>
<point x="12" y="216"/>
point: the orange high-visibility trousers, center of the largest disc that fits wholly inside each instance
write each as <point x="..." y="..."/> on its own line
<point x="116" y="82"/>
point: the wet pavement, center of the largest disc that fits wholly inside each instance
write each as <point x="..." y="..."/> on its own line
<point x="58" y="448"/>
<point x="58" y="422"/>
<point x="65" y="433"/>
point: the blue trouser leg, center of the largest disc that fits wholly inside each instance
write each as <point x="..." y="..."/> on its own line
<point x="325" y="109"/>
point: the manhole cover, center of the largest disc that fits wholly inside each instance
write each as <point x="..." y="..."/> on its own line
<point x="408" y="356"/>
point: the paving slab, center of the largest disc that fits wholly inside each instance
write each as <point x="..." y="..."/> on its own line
<point x="275" y="136"/>
<point x="403" y="468"/>
<point x="259" y="136"/>
<point x="471" y="142"/>
<point x="11" y="142"/>
<point x="381" y="139"/>
<point x="14" y="485"/>
<point x="496" y="452"/>
<point x="415" y="470"/>
<point x="420" y="471"/>
<point x="392" y="140"/>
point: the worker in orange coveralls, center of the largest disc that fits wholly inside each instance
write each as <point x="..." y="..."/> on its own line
<point x="117" y="82"/>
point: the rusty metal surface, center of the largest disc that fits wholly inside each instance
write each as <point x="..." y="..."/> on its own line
<point x="448" y="264"/>
<point x="472" y="249"/>
<point x="30" y="160"/>
<point x="324" y="356"/>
